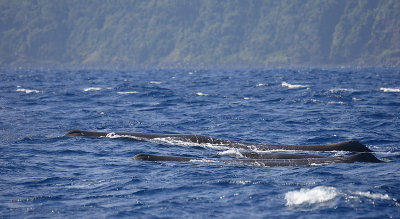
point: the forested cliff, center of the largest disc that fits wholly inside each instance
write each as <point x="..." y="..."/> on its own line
<point x="199" y="33"/>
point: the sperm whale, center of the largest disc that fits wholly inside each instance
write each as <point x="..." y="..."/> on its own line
<point x="352" y="146"/>
<point x="360" y="157"/>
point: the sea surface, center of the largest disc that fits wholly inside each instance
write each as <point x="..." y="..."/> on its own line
<point x="47" y="175"/>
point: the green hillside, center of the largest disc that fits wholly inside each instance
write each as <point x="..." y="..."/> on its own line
<point x="199" y="33"/>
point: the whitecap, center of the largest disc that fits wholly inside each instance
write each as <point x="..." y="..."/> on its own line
<point x="201" y="94"/>
<point x="262" y="84"/>
<point x="92" y="89"/>
<point x="338" y="90"/>
<point x="239" y="182"/>
<point x="337" y="102"/>
<point x="393" y="90"/>
<point x="28" y="91"/>
<point x="374" y="195"/>
<point x="155" y="82"/>
<point x="315" y="195"/>
<point x="294" y="86"/>
<point x="127" y="92"/>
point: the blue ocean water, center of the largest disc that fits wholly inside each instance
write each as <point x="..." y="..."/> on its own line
<point x="44" y="174"/>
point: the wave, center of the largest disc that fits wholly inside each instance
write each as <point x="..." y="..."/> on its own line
<point x="262" y="84"/>
<point x="92" y="89"/>
<point x="337" y="102"/>
<point x="294" y="86"/>
<point x="318" y="194"/>
<point x="27" y="91"/>
<point x="340" y="90"/>
<point x="201" y="94"/>
<point x="374" y="195"/>
<point x="127" y="92"/>
<point x="392" y="90"/>
<point x="154" y="82"/>
<point x="321" y="194"/>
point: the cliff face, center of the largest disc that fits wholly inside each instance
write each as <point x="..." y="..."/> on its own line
<point x="199" y="33"/>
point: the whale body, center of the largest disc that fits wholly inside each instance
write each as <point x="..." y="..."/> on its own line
<point x="360" y="157"/>
<point x="353" y="146"/>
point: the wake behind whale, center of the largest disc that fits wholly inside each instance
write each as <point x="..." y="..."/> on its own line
<point x="252" y="157"/>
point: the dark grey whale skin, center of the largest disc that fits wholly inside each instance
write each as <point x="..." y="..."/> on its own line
<point x="360" y="157"/>
<point x="352" y="146"/>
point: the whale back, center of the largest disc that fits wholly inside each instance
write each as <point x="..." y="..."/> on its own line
<point x="201" y="139"/>
<point x="278" y="161"/>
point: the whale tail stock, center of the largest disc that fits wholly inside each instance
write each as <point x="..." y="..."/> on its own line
<point x="201" y="139"/>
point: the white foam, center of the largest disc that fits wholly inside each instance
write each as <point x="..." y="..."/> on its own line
<point x="177" y="141"/>
<point x="231" y="152"/>
<point x="127" y="92"/>
<point x="318" y="194"/>
<point x="201" y="94"/>
<point x="337" y="102"/>
<point x="262" y="84"/>
<point x="28" y="91"/>
<point x="92" y="89"/>
<point x="337" y="90"/>
<point x="203" y="161"/>
<point x="113" y="135"/>
<point x="240" y="182"/>
<point x="155" y="82"/>
<point x="374" y="195"/>
<point x="88" y="186"/>
<point x="394" y="90"/>
<point x="171" y="141"/>
<point x="294" y="86"/>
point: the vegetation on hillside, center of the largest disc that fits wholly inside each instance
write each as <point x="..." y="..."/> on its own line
<point x="226" y="33"/>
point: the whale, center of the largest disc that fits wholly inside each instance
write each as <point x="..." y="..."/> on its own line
<point x="351" y="146"/>
<point x="359" y="157"/>
<point x="255" y="155"/>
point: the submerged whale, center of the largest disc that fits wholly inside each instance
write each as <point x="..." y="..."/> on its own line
<point x="360" y="157"/>
<point x="352" y="146"/>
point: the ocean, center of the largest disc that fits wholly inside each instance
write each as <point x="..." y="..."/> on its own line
<point x="47" y="175"/>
